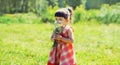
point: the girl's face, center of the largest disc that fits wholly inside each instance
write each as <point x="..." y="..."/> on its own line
<point x="61" y="20"/>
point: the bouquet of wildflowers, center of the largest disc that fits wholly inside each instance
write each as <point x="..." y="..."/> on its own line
<point x="57" y="31"/>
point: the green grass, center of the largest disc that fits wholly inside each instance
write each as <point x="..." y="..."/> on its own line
<point x="29" y="44"/>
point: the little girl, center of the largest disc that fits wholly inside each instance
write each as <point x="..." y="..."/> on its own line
<point x="63" y="52"/>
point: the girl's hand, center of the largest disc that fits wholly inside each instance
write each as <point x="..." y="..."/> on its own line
<point x="58" y="37"/>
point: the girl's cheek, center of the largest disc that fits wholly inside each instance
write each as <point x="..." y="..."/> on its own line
<point x="62" y="21"/>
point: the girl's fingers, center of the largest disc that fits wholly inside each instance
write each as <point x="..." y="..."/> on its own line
<point x="58" y="37"/>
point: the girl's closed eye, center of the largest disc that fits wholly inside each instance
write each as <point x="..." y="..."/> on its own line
<point x="60" y="19"/>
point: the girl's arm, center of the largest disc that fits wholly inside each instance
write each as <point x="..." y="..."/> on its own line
<point x="70" y="39"/>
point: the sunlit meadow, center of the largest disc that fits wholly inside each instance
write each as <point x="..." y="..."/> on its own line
<point x="29" y="44"/>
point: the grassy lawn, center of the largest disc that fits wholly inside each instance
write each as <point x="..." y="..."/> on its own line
<point x="29" y="44"/>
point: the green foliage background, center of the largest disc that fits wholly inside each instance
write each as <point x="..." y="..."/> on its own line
<point x="103" y="11"/>
<point x="26" y="27"/>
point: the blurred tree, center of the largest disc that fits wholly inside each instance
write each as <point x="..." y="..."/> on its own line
<point x="52" y="3"/>
<point x="95" y="4"/>
<point x="39" y="6"/>
<point x="74" y="3"/>
<point x="110" y="2"/>
<point x="61" y="3"/>
<point x="43" y="5"/>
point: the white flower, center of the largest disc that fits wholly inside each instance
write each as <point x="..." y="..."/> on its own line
<point x="57" y="27"/>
